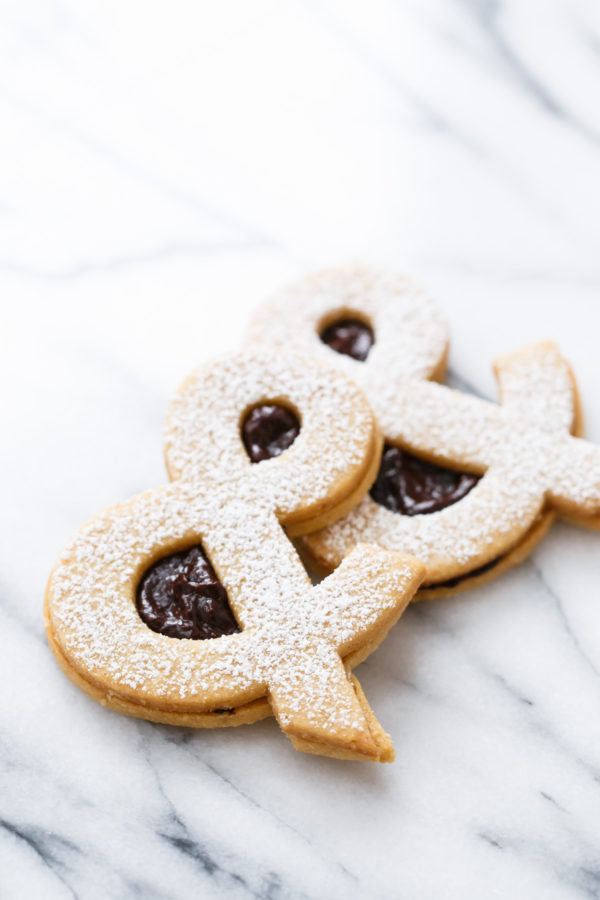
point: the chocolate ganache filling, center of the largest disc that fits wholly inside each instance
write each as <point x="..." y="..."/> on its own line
<point x="412" y="486"/>
<point x="268" y="430"/>
<point x="350" y="337"/>
<point x="181" y="596"/>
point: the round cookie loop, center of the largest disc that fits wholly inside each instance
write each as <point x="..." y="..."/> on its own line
<point x="297" y="642"/>
<point x="410" y="333"/>
<point x="337" y="446"/>
<point x="530" y="465"/>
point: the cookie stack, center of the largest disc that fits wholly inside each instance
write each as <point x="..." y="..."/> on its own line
<point x="329" y="438"/>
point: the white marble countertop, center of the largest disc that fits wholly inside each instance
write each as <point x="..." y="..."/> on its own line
<point x="163" y="168"/>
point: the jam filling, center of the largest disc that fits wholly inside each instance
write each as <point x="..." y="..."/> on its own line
<point x="181" y="596"/>
<point x="350" y="337"/>
<point x="268" y="430"/>
<point x="412" y="486"/>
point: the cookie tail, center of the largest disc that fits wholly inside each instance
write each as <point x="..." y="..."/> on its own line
<point x="381" y="739"/>
<point x="334" y="718"/>
<point x="316" y="700"/>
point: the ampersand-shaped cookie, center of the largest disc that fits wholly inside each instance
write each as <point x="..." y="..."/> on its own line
<point x="253" y="442"/>
<point x="466" y="485"/>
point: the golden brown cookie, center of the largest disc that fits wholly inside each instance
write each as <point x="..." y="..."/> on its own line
<point x="467" y="486"/>
<point x="189" y="605"/>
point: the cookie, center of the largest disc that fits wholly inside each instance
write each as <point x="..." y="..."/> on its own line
<point x="189" y="605"/>
<point x="467" y="486"/>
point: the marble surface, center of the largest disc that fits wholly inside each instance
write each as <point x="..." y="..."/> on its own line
<point x="164" y="167"/>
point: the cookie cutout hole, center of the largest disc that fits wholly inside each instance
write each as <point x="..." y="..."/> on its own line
<point x="348" y="334"/>
<point x="412" y="486"/>
<point x="180" y="596"/>
<point x="268" y="430"/>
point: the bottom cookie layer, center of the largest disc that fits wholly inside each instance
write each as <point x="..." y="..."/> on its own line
<point x="493" y="569"/>
<point x="246" y="714"/>
<point x="240" y="715"/>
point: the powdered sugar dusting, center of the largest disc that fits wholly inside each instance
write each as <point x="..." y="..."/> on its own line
<point x="525" y="466"/>
<point x="523" y="446"/>
<point x="411" y="335"/>
<point x="203" y="443"/>
<point x="292" y="632"/>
